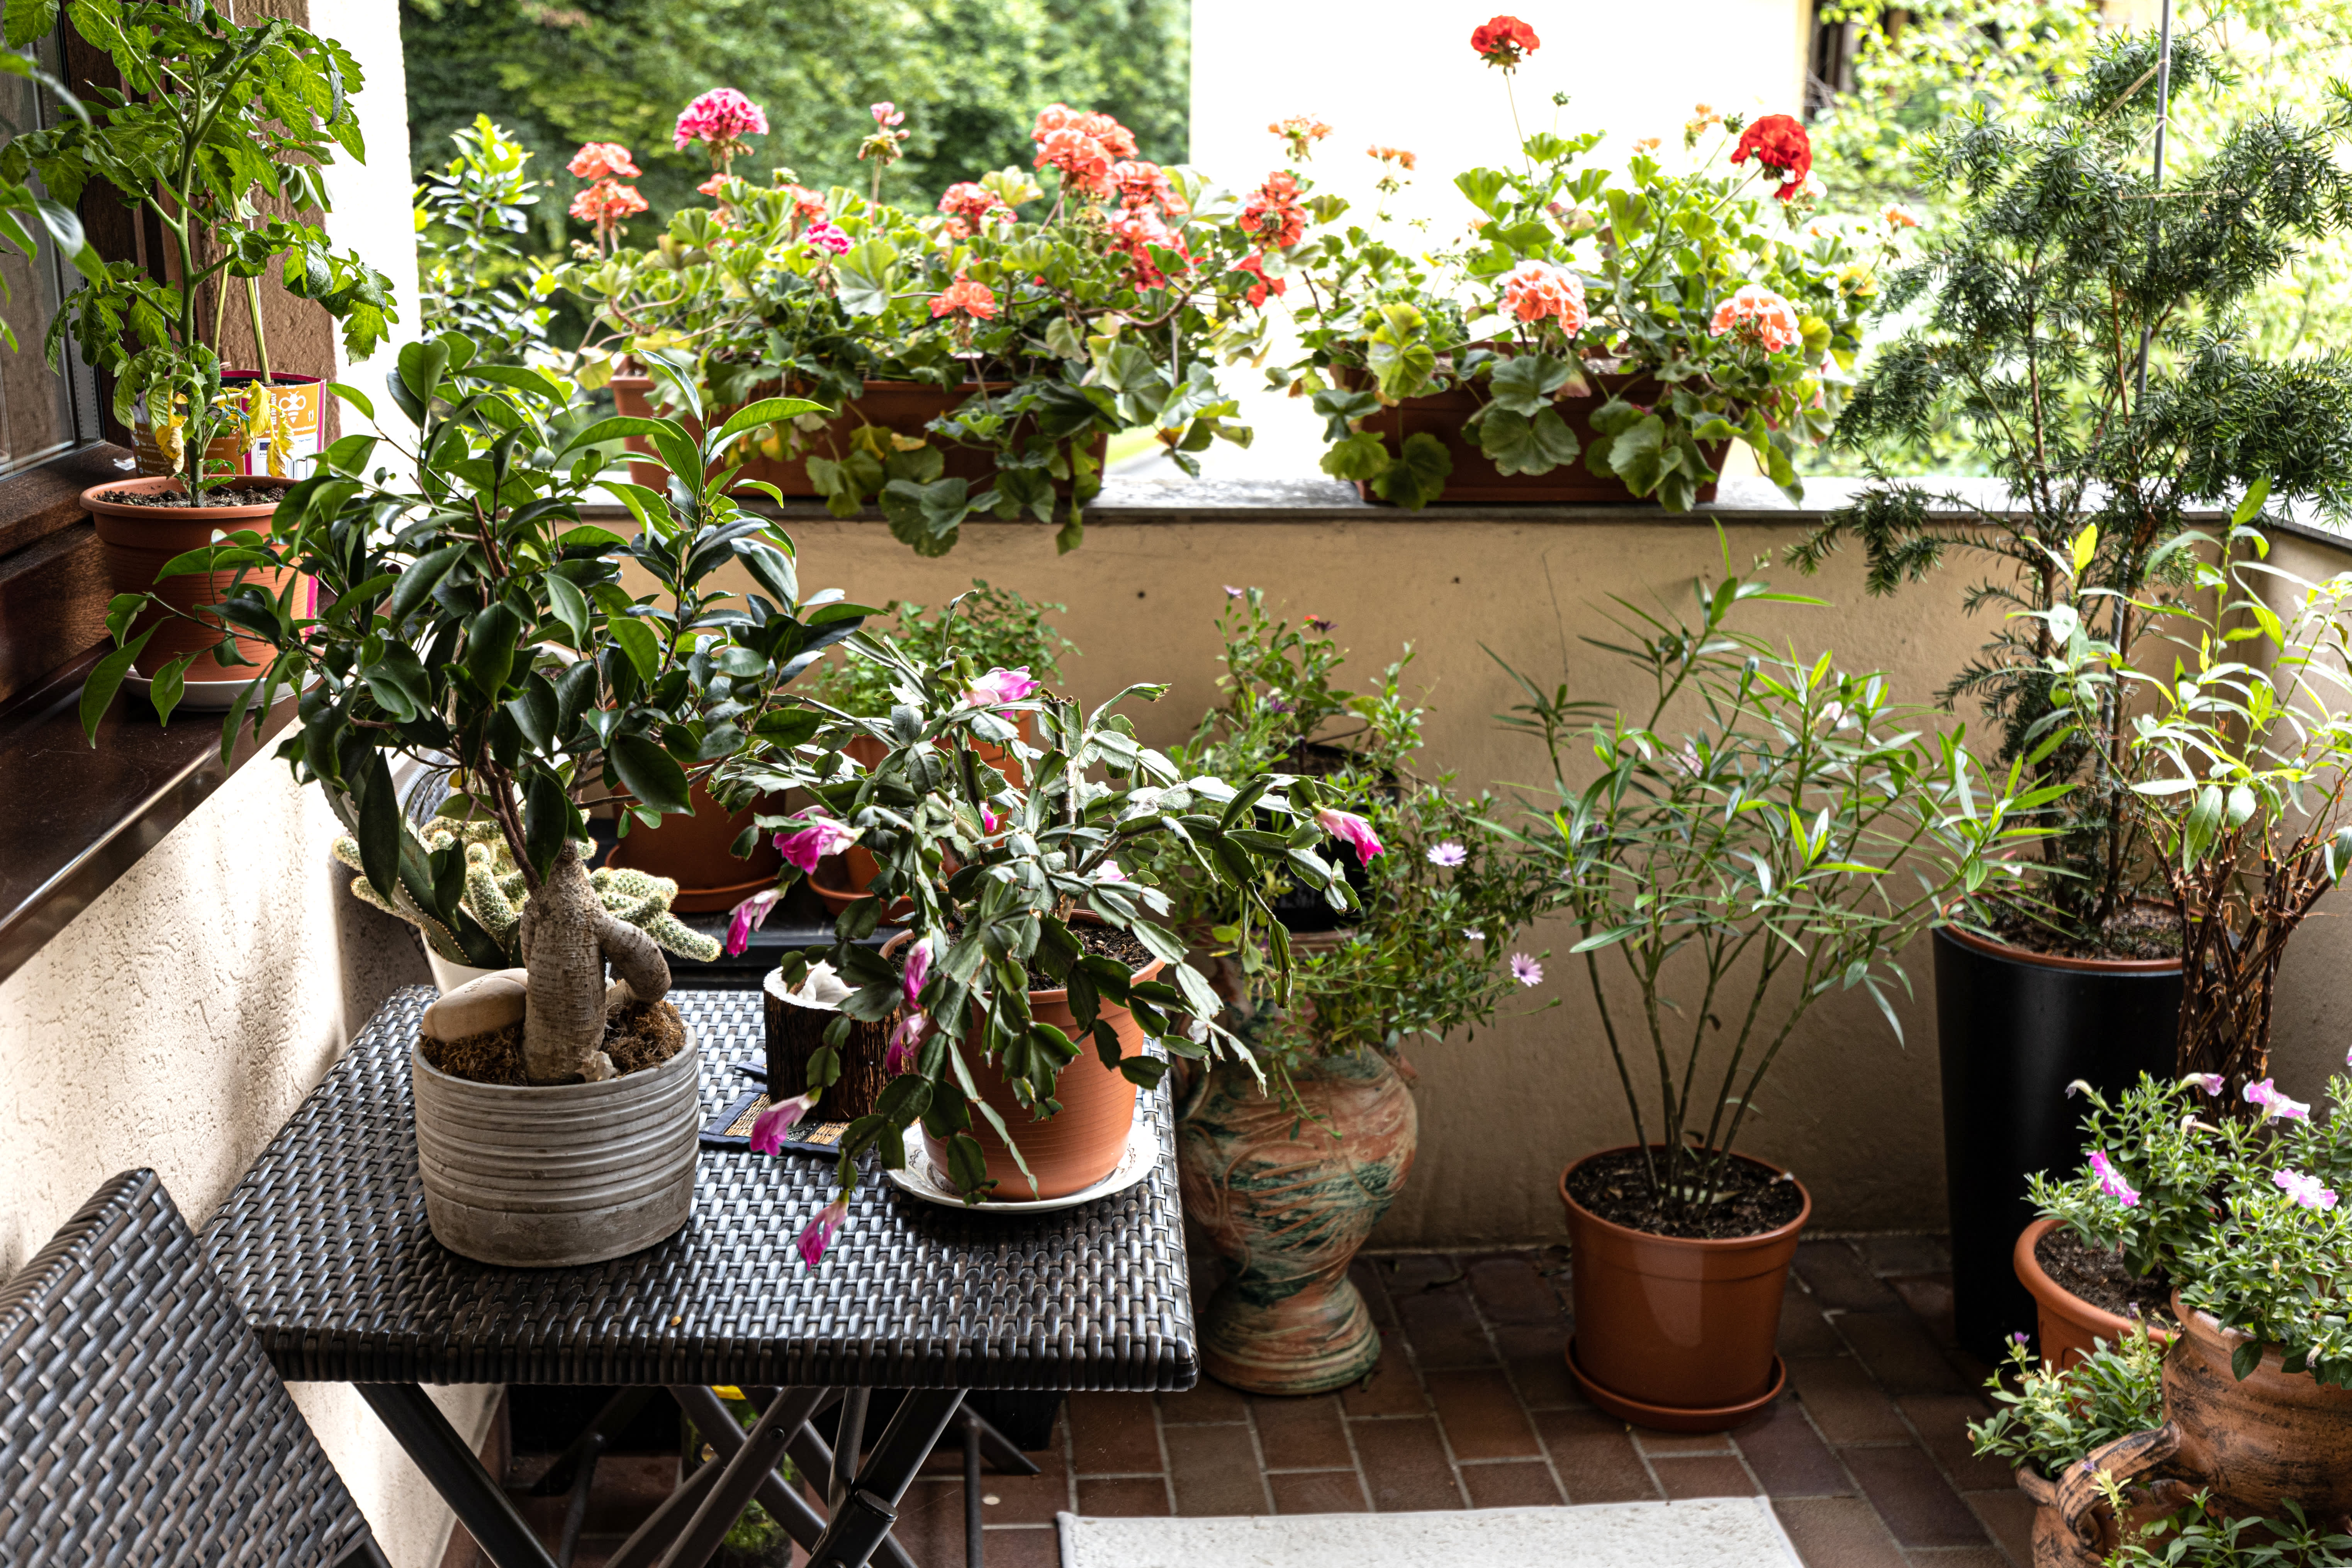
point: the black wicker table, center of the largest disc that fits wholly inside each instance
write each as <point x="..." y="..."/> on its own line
<point x="325" y="1243"/>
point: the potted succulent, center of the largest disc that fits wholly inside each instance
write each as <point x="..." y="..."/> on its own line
<point x="1598" y="336"/>
<point x="2075" y="974"/>
<point x="475" y="617"/>
<point x="1290" y="1160"/>
<point x="977" y="359"/>
<point x="1030" y="977"/>
<point x="1788" y="842"/>
<point x="219" y="136"/>
<point x="2238" y="1215"/>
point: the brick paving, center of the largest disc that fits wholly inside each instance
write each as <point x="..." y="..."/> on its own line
<point x="1864" y="1456"/>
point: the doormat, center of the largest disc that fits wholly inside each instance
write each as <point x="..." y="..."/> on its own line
<point x="1704" y="1533"/>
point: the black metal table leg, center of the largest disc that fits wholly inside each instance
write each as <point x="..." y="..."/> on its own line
<point x="801" y="1522"/>
<point x="814" y="1458"/>
<point x="847" y="1441"/>
<point x="754" y="1462"/>
<point x="864" y="1522"/>
<point x="477" y="1500"/>
<point x="973" y="1554"/>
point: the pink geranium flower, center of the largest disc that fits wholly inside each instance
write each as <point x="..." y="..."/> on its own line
<point x="2304" y="1190"/>
<point x="999" y="687"/>
<point x="767" y="1127"/>
<point x="1538" y="290"/>
<point x="602" y="161"/>
<point x="1758" y="315"/>
<point x="2274" y="1101"/>
<point x="822" y="836"/>
<point x="820" y="1232"/>
<point x="1352" y="830"/>
<point x="720" y="118"/>
<point x="749" y="916"/>
<point x="827" y="236"/>
<point x="887" y="114"/>
<point x="2112" y="1182"/>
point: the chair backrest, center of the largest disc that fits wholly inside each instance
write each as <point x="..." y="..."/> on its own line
<point x="140" y="1422"/>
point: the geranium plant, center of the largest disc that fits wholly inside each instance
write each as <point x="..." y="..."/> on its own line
<point x="1692" y="309"/>
<point x="470" y="615"/>
<point x="219" y="135"/>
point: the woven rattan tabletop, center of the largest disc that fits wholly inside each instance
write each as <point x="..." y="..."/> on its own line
<point x="324" y="1243"/>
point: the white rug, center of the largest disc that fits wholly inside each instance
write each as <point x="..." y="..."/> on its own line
<point x="1704" y="1532"/>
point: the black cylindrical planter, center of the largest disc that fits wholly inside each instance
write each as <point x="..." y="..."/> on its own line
<point x="2013" y="1029"/>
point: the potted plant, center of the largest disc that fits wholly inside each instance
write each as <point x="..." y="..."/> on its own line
<point x="473" y="275"/>
<point x="1598" y="337"/>
<point x="1788" y="842"/>
<point x="2052" y="1418"/>
<point x="1290" y="1160"/>
<point x="218" y="136"/>
<point x="1030" y="977"/>
<point x="2239" y="1215"/>
<point x="978" y="360"/>
<point x="475" y="617"/>
<point x="2090" y="402"/>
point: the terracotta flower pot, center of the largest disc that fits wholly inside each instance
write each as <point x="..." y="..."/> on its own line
<point x="1288" y="1201"/>
<point x="300" y="401"/>
<point x="2054" y="1546"/>
<point x="1476" y="481"/>
<point x="697" y="853"/>
<point x="2067" y="1327"/>
<point x="1079" y="1145"/>
<point x="2275" y="1435"/>
<point x="139" y="540"/>
<point x="1673" y="1332"/>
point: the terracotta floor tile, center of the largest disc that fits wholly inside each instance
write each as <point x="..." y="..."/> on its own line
<point x="930" y="1522"/>
<point x="1125" y="1497"/>
<point x="1704" y="1475"/>
<point x="1929" y="1298"/>
<point x="1406" y="1274"/>
<point x="1443" y="1327"/>
<point x="1907" y="1252"/>
<point x="1215" y="1471"/>
<point x="1114" y="1434"/>
<point x="1404" y="1464"/>
<point x="2008" y="1518"/>
<point x="1844" y="1403"/>
<point x="1391" y="1390"/>
<point x="1943" y="1425"/>
<point x="1032" y="1548"/>
<point x="1595" y="1457"/>
<point x="1957" y="1557"/>
<point x="1366" y="1274"/>
<point x="1483" y="1417"/>
<point x="1027" y="1500"/>
<point x="1207" y="1402"/>
<point x="1899" y="1351"/>
<point x="1835" y="1274"/>
<point x="1911" y="1495"/>
<point x="1803" y="1329"/>
<point x="1788" y="1456"/>
<point x="1510" y="1290"/>
<point x="1302" y="1434"/>
<point x="1514" y="1483"/>
<point x="1319" y="1491"/>
<point x="1658" y="1444"/>
<point x="1533" y="1354"/>
<point x="1838" y="1532"/>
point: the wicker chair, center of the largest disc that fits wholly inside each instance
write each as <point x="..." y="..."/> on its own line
<point x="140" y="1422"/>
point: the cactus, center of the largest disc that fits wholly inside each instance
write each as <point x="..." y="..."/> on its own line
<point x="494" y="893"/>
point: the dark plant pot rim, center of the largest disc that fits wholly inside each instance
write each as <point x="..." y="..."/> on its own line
<point x="91" y="501"/>
<point x="1991" y="948"/>
<point x="1713" y="1244"/>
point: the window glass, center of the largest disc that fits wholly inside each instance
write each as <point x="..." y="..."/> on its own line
<point x="42" y="412"/>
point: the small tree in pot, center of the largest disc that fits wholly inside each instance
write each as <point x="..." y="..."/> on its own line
<point x="475" y="617"/>
<point x="1786" y="845"/>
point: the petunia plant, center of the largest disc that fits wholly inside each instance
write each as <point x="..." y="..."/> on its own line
<point x="1686" y="308"/>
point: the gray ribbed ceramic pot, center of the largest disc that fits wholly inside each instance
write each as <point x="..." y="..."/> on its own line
<point x="547" y="1177"/>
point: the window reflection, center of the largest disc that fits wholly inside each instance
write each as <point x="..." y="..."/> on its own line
<point x="37" y="414"/>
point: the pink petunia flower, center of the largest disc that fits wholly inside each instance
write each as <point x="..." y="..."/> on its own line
<point x="2213" y="1083"/>
<point x="767" y="1128"/>
<point x="2275" y="1103"/>
<point x="804" y="846"/>
<point x="749" y="916"/>
<point x="819" y="1235"/>
<point x="1448" y="853"/>
<point x="2304" y="1190"/>
<point x="999" y="687"/>
<point x="1352" y="830"/>
<point x="720" y="118"/>
<point x="2111" y="1181"/>
<point x="1525" y="970"/>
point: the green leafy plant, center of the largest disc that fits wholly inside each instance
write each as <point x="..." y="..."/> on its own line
<point x="2201" y="1535"/>
<point x="1769" y="831"/>
<point x="994" y="628"/>
<point x="218" y="132"/>
<point x="473" y="617"/>
<point x="2081" y="327"/>
<point x="473" y="273"/>
<point x="2052" y="1418"/>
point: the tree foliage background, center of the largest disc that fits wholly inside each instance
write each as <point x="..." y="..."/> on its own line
<point x="557" y="73"/>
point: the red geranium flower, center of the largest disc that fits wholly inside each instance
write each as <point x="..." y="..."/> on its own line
<point x="1255" y="267"/>
<point x="1505" y="41"/>
<point x="972" y="297"/>
<point x="1274" y="217"/>
<point x="1780" y="146"/>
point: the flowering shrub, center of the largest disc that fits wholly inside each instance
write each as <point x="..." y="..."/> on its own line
<point x="2237" y="1204"/>
<point x="2051" y="1419"/>
<point x="1688" y="310"/>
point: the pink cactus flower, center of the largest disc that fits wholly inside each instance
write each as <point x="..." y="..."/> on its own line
<point x="990" y="823"/>
<point x="767" y="1127"/>
<point x="1525" y="970"/>
<point x="821" y="1231"/>
<point x="905" y="1041"/>
<point x="1111" y="871"/>
<point x="999" y="687"/>
<point x="2111" y="1181"/>
<point x="1352" y="830"/>
<point x="804" y="846"/>
<point x="2304" y="1190"/>
<point x="2275" y="1103"/>
<point x="749" y="916"/>
<point x="917" y="971"/>
<point x="722" y="117"/>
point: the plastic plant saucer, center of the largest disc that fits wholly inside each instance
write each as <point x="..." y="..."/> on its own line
<point x="1670" y="1419"/>
<point x="919" y="1179"/>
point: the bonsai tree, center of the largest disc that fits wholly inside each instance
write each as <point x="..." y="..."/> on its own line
<point x="2079" y="325"/>
<point x="1771" y="831"/>
<point x="217" y="133"/>
<point x="473" y="617"/>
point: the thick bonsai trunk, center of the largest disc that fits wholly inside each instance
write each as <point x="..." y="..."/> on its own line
<point x="567" y="937"/>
